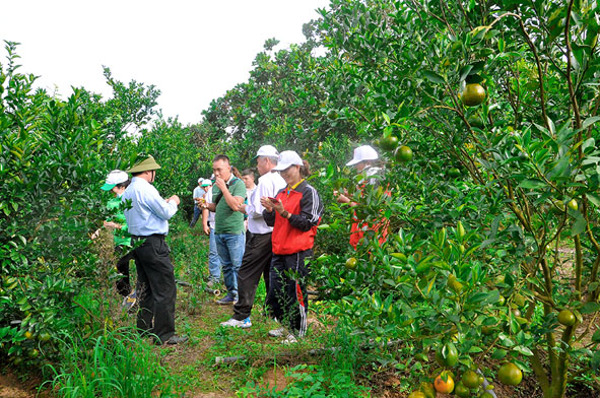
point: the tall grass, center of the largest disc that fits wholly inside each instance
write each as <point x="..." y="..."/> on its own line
<point x="117" y="363"/>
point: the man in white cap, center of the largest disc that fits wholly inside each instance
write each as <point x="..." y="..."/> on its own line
<point x="364" y="161"/>
<point x="148" y="221"/>
<point x="259" y="251"/>
<point x="116" y="182"/>
<point x="199" y="194"/>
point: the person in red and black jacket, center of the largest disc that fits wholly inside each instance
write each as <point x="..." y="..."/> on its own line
<point x="294" y="213"/>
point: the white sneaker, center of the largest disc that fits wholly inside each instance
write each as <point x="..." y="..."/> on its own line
<point x="277" y="332"/>
<point x="290" y="339"/>
<point x="246" y="323"/>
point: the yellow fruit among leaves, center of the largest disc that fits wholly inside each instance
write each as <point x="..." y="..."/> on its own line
<point x="444" y="383"/>
<point x="510" y="374"/>
<point x="351" y="263"/>
<point x="473" y="94"/>
<point x="417" y="394"/>
<point x="573" y="205"/>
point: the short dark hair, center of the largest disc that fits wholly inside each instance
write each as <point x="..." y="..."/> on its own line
<point x="124" y="184"/>
<point x="221" y="157"/>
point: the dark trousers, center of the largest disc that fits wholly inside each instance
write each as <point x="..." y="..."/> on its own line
<point x="256" y="262"/>
<point x="287" y="299"/>
<point x="156" y="284"/>
<point x="197" y="214"/>
<point x="123" y="283"/>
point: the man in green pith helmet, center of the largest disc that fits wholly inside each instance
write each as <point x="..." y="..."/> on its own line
<point x="148" y="221"/>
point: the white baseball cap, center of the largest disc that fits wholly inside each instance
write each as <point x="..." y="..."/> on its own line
<point x="362" y="153"/>
<point x="267" y="150"/>
<point x="200" y="180"/>
<point x="206" y="183"/>
<point x="114" y="178"/>
<point x="288" y="159"/>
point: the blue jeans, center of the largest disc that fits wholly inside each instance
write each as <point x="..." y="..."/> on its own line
<point x="231" y="250"/>
<point x="197" y="214"/>
<point x="214" y="264"/>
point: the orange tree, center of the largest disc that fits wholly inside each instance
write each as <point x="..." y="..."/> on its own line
<point x="54" y="154"/>
<point x="516" y="164"/>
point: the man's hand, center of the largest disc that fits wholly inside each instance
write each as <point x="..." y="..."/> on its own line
<point x="242" y="208"/>
<point x="111" y="225"/>
<point x="221" y="184"/>
<point x="175" y="199"/>
<point x="206" y="229"/>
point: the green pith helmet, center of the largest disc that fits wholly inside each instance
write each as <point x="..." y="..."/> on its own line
<point x="145" y="165"/>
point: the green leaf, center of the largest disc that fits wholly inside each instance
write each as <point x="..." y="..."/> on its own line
<point x="590" y="308"/>
<point x="532" y="184"/>
<point x="523" y="350"/>
<point x="596" y="336"/>
<point x="499" y="353"/>
<point x="578" y="226"/>
<point x="433" y="76"/>
<point x="589" y="121"/>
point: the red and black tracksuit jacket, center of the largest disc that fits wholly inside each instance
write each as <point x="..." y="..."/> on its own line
<point x="292" y="241"/>
<point x="298" y="233"/>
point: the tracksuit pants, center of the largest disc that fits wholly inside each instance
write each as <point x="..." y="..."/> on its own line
<point x="156" y="284"/>
<point x="287" y="299"/>
<point x="256" y="262"/>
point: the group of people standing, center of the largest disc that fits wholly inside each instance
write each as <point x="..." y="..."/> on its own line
<point x="265" y="230"/>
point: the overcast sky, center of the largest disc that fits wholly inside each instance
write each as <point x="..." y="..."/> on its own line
<point x="193" y="51"/>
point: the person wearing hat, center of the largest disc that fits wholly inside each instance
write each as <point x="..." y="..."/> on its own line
<point x="364" y="161"/>
<point x="198" y="195"/>
<point x="294" y="213"/>
<point x="148" y="221"/>
<point x="259" y="251"/>
<point x="116" y="182"/>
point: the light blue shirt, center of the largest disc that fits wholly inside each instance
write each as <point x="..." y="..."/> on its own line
<point x="149" y="213"/>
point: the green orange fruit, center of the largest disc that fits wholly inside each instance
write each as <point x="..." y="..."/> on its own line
<point x="404" y="154"/>
<point x="351" y="263"/>
<point x="473" y="94"/>
<point x="388" y="143"/>
<point x="447" y="355"/>
<point x="471" y="379"/>
<point x="510" y="374"/>
<point x="573" y="205"/>
<point x="567" y="318"/>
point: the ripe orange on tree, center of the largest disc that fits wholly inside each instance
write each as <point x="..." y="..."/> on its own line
<point x="473" y="94"/>
<point x="510" y="374"/>
<point x="444" y="383"/>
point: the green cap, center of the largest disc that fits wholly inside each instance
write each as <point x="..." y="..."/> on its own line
<point x="145" y="165"/>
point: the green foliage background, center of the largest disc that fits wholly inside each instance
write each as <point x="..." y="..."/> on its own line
<point x="367" y="70"/>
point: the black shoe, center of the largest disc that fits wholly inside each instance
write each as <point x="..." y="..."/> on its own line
<point x="176" y="340"/>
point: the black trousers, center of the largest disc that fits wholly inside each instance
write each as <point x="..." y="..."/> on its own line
<point x="287" y="299"/>
<point x="123" y="283"/>
<point x="256" y="262"/>
<point x="156" y="284"/>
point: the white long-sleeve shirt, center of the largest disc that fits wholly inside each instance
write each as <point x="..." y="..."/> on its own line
<point x="149" y="213"/>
